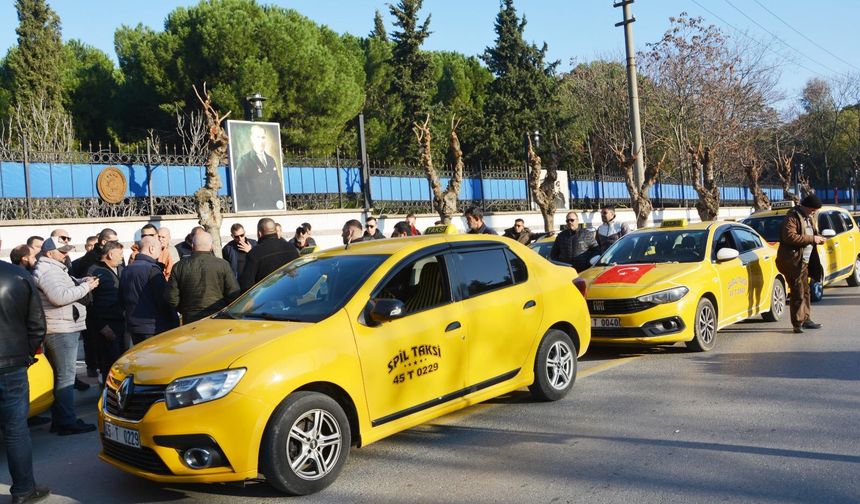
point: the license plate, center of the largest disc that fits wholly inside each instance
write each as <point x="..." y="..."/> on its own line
<point x="128" y="437"/>
<point x="606" y="322"/>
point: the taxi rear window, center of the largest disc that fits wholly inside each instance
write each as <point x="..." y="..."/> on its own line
<point x="768" y="227"/>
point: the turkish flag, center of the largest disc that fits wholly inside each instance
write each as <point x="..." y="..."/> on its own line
<point x="629" y="273"/>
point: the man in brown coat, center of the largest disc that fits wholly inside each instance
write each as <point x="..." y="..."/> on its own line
<point x="798" y="254"/>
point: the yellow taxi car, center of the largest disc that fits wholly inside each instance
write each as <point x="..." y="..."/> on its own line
<point x="839" y="255"/>
<point x="345" y="346"/>
<point x="41" y="378"/>
<point x="543" y="245"/>
<point x="682" y="283"/>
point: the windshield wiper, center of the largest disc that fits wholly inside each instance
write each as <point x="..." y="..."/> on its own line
<point x="225" y="315"/>
<point x="272" y="316"/>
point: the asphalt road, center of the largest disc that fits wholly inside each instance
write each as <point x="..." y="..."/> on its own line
<point x="768" y="416"/>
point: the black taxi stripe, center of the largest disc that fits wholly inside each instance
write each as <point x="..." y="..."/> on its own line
<point x="445" y="398"/>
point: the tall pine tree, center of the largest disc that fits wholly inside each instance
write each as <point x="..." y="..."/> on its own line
<point x="412" y="83"/>
<point x="521" y="97"/>
<point x="36" y="65"/>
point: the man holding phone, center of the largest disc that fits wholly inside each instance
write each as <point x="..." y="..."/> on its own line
<point x="236" y="250"/>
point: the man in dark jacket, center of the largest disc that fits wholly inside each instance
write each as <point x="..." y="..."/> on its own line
<point x="141" y="291"/>
<point x="371" y="229"/>
<point x="575" y="246"/>
<point x="202" y="284"/>
<point x="519" y="232"/>
<point x="475" y="221"/>
<point x="186" y="247"/>
<point x="352" y="232"/>
<point x="22" y="330"/>
<point x="81" y="266"/>
<point x="797" y="256"/>
<point x="270" y="254"/>
<point x="106" y="319"/>
<point x="236" y="251"/>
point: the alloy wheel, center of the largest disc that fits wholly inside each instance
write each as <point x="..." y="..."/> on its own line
<point x="559" y="365"/>
<point x="314" y="444"/>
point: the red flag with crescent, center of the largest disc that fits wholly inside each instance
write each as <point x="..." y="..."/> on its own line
<point x="628" y="273"/>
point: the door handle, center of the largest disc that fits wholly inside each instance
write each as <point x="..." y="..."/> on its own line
<point x="452" y="326"/>
<point x="529" y="304"/>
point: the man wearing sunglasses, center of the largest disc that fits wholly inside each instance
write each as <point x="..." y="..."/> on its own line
<point x="236" y="250"/>
<point x="371" y="229"/>
<point x="575" y="245"/>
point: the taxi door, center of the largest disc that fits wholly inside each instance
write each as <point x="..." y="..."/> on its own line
<point x="503" y="312"/>
<point x="733" y="278"/>
<point x="845" y="246"/>
<point x="755" y="258"/>
<point x="411" y="363"/>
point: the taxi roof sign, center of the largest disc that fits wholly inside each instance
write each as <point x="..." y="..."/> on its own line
<point x="308" y="250"/>
<point x="448" y="229"/>
<point x="781" y="204"/>
<point x="674" y="223"/>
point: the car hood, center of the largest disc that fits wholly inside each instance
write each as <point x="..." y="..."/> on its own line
<point x="201" y="347"/>
<point x="631" y="280"/>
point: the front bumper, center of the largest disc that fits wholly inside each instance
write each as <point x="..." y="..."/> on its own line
<point x="234" y="424"/>
<point x="661" y="324"/>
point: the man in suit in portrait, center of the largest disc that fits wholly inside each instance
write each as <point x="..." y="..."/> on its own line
<point x="258" y="177"/>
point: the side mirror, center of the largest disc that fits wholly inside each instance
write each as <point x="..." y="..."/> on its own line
<point x="727" y="254"/>
<point x="828" y="233"/>
<point x="386" y="310"/>
<point x="594" y="260"/>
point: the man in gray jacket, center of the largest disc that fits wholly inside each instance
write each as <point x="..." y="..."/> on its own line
<point x="66" y="318"/>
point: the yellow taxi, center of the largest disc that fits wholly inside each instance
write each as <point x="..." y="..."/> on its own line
<point x="342" y="347"/>
<point x="543" y="245"/>
<point x="682" y="283"/>
<point x="41" y="378"/>
<point x="839" y="255"/>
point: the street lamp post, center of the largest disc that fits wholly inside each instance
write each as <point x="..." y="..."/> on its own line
<point x="854" y="190"/>
<point x="256" y="106"/>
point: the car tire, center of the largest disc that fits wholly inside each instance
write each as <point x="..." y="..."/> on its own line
<point x="816" y="291"/>
<point x="777" y="302"/>
<point x="854" y="279"/>
<point x="306" y="444"/>
<point x="555" y="366"/>
<point x="704" y="327"/>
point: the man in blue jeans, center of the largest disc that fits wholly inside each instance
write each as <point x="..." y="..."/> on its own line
<point x="22" y="330"/>
<point x="66" y="318"/>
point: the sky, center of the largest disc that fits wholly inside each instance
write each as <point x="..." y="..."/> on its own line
<point x="806" y="38"/>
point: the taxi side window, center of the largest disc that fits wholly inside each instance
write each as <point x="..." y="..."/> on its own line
<point x="420" y="285"/>
<point x="824" y="221"/>
<point x="518" y="267"/>
<point x="482" y="271"/>
<point x="745" y="240"/>
<point x="847" y="220"/>
<point x="836" y="221"/>
<point x="723" y="239"/>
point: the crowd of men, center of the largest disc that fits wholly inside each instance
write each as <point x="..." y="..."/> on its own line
<point x="111" y="305"/>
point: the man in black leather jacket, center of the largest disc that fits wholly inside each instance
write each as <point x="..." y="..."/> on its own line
<point x="575" y="246"/>
<point x="22" y="330"/>
<point x="270" y="254"/>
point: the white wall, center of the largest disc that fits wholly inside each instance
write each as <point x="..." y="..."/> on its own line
<point x="326" y="224"/>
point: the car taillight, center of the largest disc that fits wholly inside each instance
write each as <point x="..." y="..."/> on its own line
<point x="580" y="284"/>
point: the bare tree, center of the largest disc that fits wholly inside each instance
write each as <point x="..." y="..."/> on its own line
<point x="208" y="202"/>
<point x="191" y="130"/>
<point x="753" y="169"/>
<point x="46" y="130"/>
<point x="543" y="191"/>
<point x="444" y="202"/>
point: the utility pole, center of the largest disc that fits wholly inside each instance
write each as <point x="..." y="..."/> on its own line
<point x="632" y="92"/>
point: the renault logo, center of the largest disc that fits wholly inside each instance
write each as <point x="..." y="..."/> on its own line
<point x="123" y="393"/>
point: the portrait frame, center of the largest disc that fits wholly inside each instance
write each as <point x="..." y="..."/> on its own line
<point x="252" y="176"/>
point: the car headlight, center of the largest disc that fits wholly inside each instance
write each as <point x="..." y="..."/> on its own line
<point x="665" y="296"/>
<point x="198" y="389"/>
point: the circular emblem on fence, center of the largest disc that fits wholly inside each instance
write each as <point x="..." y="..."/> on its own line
<point x="111" y="185"/>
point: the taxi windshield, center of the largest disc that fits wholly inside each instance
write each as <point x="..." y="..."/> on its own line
<point x="308" y="289"/>
<point x="768" y="227"/>
<point x="658" y="247"/>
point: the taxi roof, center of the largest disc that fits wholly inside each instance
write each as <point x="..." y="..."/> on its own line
<point x="783" y="211"/>
<point x="693" y="226"/>
<point x="391" y="246"/>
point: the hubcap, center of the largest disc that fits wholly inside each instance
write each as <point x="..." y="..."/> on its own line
<point x="314" y="444"/>
<point x="778" y="304"/>
<point x="559" y="365"/>
<point x="857" y="270"/>
<point x="706" y="325"/>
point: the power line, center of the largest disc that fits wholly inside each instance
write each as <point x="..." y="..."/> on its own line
<point x="783" y="42"/>
<point x="753" y="39"/>
<point x="813" y="42"/>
